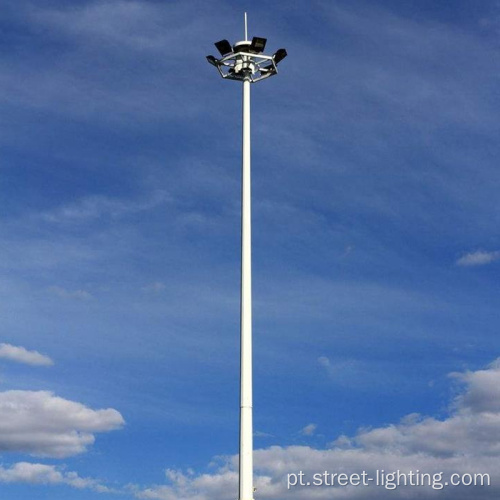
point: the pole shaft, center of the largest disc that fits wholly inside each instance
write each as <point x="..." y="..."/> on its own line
<point x="246" y="432"/>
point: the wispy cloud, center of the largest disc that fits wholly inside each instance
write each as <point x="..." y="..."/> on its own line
<point x="155" y="287"/>
<point x="70" y="294"/>
<point x="262" y="434"/>
<point x="123" y="24"/>
<point x="478" y="258"/>
<point x="23" y="355"/>
<point x="42" y="424"/>
<point x="347" y="372"/>
<point x="129" y="33"/>
<point x="93" y="207"/>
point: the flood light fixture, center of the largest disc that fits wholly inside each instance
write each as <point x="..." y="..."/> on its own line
<point x="224" y="47"/>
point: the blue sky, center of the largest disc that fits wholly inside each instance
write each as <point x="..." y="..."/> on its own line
<point x="376" y="252"/>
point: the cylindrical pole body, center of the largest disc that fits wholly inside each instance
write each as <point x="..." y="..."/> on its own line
<point x="246" y="437"/>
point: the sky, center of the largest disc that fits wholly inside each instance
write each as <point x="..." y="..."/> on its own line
<point x="376" y="251"/>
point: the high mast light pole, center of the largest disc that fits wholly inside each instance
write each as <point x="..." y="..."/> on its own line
<point x="245" y="62"/>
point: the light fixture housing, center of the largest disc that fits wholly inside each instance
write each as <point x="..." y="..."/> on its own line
<point x="212" y="60"/>
<point x="258" y="45"/>
<point x="224" y="47"/>
<point x="279" y="55"/>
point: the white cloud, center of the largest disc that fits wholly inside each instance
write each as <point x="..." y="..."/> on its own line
<point x="127" y="24"/>
<point x="347" y="251"/>
<point x="42" y="424"/>
<point x="262" y="434"/>
<point x="483" y="393"/>
<point x="309" y="430"/>
<point x="346" y="372"/>
<point x="116" y="31"/>
<point x="155" y="287"/>
<point x="70" y="294"/>
<point x="35" y="473"/>
<point x="466" y="441"/>
<point x="95" y="207"/>
<point x="478" y="258"/>
<point x="324" y="361"/>
<point x="22" y="355"/>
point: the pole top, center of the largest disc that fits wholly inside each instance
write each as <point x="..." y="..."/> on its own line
<point x="245" y="60"/>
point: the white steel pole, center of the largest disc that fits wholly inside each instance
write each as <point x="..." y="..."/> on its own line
<point x="245" y="62"/>
<point x="246" y="432"/>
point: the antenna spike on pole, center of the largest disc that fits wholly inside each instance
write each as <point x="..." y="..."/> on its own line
<point x="246" y="28"/>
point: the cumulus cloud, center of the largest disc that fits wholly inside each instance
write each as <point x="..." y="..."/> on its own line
<point x="22" y="355"/>
<point x="35" y="473"/>
<point x="483" y="390"/>
<point x="308" y="430"/>
<point x="466" y="441"/>
<point x="478" y="258"/>
<point x="42" y="424"/>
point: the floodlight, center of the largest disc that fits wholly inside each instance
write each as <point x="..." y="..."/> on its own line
<point x="279" y="55"/>
<point x="212" y="60"/>
<point x="224" y="47"/>
<point x="258" y="44"/>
